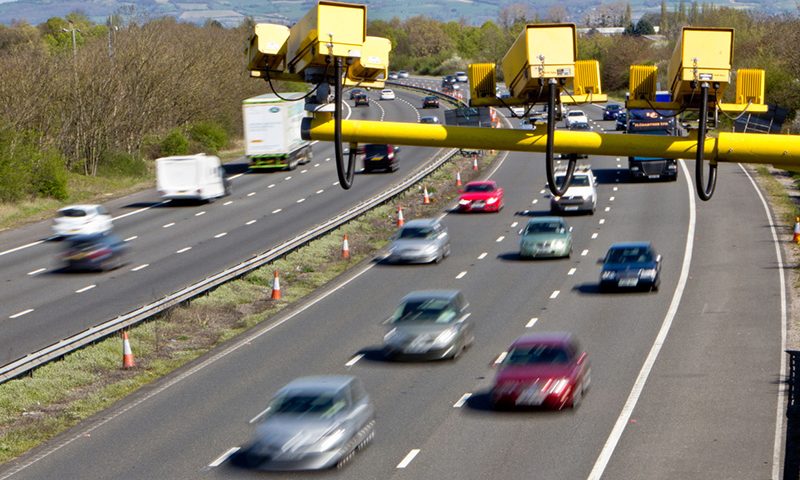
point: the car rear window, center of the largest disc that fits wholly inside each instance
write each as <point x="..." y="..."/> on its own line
<point x="537" y="354"/>
<point x="417" y="232"/>
<point x="481" y="187"/>
<point x="72" y="212"/>
<point x="545" y="227"/>
<point x="629" y="255"/>
<point x="426" y="310"/>
<point x="577" y="180"/>
<point x="375" y="149"/>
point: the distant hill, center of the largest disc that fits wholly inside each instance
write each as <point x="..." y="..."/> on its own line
<point x="232" y="12"/>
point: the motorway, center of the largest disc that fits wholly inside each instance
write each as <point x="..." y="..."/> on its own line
<point x="684" y="384"/>
<point x="173" y="246"/>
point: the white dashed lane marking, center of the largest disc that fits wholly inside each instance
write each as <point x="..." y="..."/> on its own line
<point x="37" y="271"/>
<point x="186" y="249"/>
<point x="319" y="191"/>
<point x="271" y="185"/>
<point x="602" y="221"/>
<point x="250" y="222"/>
<point x="500" y="238"/>
<point x="140" y="267"/>
<point x="251" y="194"/>
<point x="277" y="210"/>
<point x="584" y="253"/>
<point x="168" y="225"/>
<point x="461" y="275"/>
<point x="607" y="209"/>
<point x="531" y="322"/>
<point x="301" y="200"/>
<point x="572" y="271"/>
<point x="130" y="239"/>
<point x="221" y="459"/>
<point x="482" y="256"/>
<point x="611" y="199"/>
<point x="594" y="235"/>
<point x="554" y="294"/>
<point x="461" y="401"/>
<point x="500" y="358"/>
<point x="353" y="360"/>
<point x="228" y="202"/>
<point x="85" y="289"/>
<point x="288" y="178"/>
<point x="616" y="188"/>
<point x="220" y="235"/>
<point x="19" y="314"/>
<point x="535" y="201"/>
<point x="408" y="458"/>
<point x="198" y="214"/>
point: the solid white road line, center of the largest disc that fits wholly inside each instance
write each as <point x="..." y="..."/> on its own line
<point x="404" y="463"/>
<point x="277" y="210"/>
<point x="228" y="202"/>
<point x="554" y="294"/>
<point x="461" y="275"/>
<point x="136" y="269"/>
<point x="19" y="314"/>
<point x="85" y="289"/>
<point x="482" y="256"/>
<point x="353" y="360"/>
<point x="33" y="244"/>
<point x="572" y="271"/>
<point x="130" y="239"/>
<point x="139" y="211"/>
<point x="250" y="222"/>
<point x="584" y="253"/>
<point x="37" y="271"/>
<point x="168" y="225"/>
<point x="186" y="249"/>
<point x="223" y="457"/>
<point x="461" y="401"/>
<point x="220" y="235"/>
<point x="778" y="443"/>
<point x="644" y="373"/>
<point x="531" y="322"/>
<point x="500" y="358"/>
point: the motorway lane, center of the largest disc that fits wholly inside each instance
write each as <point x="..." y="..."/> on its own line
<point x="178" y="436"/>
<point x="219" y="235"/>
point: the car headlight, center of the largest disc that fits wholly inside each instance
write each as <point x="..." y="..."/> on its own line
<point x="558" y="244"/>
<point x="445" y="337"/>
<point x="608" y="275"/>
<point x="464" y="201"/>
<point x="491" y="200"/>
<point x="648" y="273"/>
<point x="556" y="387"/>
<point x="331" y="439"/>
<point x="429" y="249"/>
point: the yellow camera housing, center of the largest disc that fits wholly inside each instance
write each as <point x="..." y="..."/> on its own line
<point x="372" y="67"/>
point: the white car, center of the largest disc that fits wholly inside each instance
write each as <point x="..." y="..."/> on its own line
<point x="402" y="74"/>
<point x="81" y="220"/>
<point x="581" y="196"/>
<point x="387" y="94"/>
<point x="576" y="119"/>
<point x="462" y="77"/>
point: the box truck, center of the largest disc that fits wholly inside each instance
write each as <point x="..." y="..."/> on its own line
<point x="272" y="132"/>
<point x="191" y="177"/>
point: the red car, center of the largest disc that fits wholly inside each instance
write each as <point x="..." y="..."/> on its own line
<point x="484" y="196"/>
<point x="542" y="370"/>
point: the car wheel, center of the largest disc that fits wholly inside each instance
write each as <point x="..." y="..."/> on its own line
<point x="438" y="259"/>
<point x="587" y="380"/>
<point x="447" y="251"/>
<point x="577" y="396"/>
<point x="458" y="352"/>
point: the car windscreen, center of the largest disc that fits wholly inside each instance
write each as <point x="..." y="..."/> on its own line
<point x="434" y="310"/>
<point x="577" y="180"/>
<point x="370" y="150"/>
<point x="417" y="232"/>
<point x="537" y="354"/>
<point x="629" y="255"/>
<point x="72" y="212"/>
<point x="323" y="405"/>
<point x="576" y="113"/>
<point x="612" y="108"/>
<point x="545" y="227"/>
<point x="481" y="187"/>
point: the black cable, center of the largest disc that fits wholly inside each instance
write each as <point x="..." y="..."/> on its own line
<point x="549" y="162"/>
<point x="345" y="174"/>
<point x="705" y="192"/>
<point x="272" y="87"/>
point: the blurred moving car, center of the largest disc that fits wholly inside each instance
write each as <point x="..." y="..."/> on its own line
<point x="387" y="94"/>
<point x="431" y="101"/>
<point x="542" y="370"/>
<point x="430" y="119"/>
<point x="81" y="220"/>
<point x="576" y="120"/>
<point x="581" y="196"/>
<point x="449" y="79"/>
<point x="393" y="76"/>
<point x="354" y="92"/>
<point x="611" y="111"/>
<point x="461" y="77"/>
<point x="622" y="121"/>
<point x="312" y="423"/>
<point x="429" y="325"/>
<point x="361" y="99"/>
<point x="482" y="195"/>
<point x="634" y="265"/>
<point x="402" y="74"/>
<point x="546" y="237"/>
<point x="97" y="252"/>
<point x="380" y="157"/>
<point x="421" y="240"/>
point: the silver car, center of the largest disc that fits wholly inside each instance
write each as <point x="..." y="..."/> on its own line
<point x="422" y="240"/>
<point x="429" y="325"/>
<point x="312" y="423"/>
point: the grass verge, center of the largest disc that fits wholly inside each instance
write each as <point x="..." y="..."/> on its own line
<point x="59" y="395"/>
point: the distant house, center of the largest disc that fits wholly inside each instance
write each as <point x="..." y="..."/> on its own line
<point x="617" y="31"/>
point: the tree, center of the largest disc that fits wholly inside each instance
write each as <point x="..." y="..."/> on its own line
<point x="644" y="27"/>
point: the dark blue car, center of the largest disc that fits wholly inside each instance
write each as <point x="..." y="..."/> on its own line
<point x="611" y="111"/>
<point x="97" y="252"/>
<point x="631" y="265"/>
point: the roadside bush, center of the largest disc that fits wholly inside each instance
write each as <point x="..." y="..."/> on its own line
<point x="49" y="176"/>
<point x="209" y="136"/>
<point x="175" y="143"/>
<point x="121" y="164"/>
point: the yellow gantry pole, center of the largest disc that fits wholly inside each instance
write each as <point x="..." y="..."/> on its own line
<point x="781" y="150"/>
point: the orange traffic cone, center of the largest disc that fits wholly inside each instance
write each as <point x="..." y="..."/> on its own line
<point x="345" y="248"/>
<point x="796" y="238"/>
<point x="400" y="220"/>
<point x="458" y="178"/>
<point x="127" y="354"/>
<point x="426" y="199"/>
<point x="276" y="287"/>
<point x="475" y="162"/>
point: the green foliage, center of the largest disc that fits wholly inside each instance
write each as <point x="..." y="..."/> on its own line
<point x="121" y="164"/>
<point x="26" y="170"/>
<point x="209" y="136"/>
<point x="49" y="176"/>
<point x="175" y="143"/>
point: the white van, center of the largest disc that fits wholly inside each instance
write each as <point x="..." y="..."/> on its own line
<point x="191" y="177"/>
